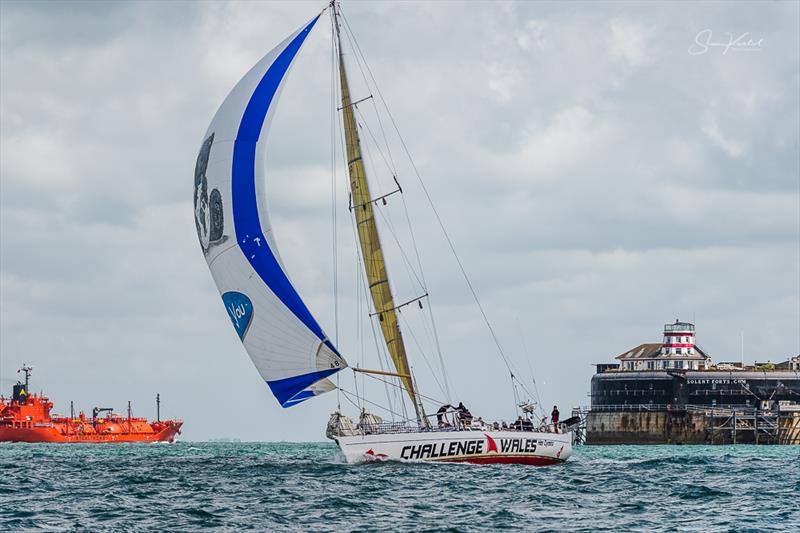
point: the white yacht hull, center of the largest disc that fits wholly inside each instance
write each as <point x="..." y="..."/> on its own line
<point x="466" y="446"/>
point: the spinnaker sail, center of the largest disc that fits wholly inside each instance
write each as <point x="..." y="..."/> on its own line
<point x="284" y="340"/>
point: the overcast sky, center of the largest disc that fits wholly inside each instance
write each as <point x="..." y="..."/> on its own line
<point x="601" y="170"/>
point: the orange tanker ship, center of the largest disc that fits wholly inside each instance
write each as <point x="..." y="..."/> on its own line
<point x="26" y="418"/>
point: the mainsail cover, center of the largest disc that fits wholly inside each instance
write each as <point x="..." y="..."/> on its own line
<point x="285" y="342"/>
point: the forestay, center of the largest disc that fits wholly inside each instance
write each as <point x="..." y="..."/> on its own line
<point x="283" y="339"/>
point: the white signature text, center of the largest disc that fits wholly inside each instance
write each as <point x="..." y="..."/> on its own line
<point x="704" y="41"/>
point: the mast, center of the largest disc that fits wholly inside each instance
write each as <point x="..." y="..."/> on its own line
<point x="27" y="370"/>
<point x="369" y="240"/>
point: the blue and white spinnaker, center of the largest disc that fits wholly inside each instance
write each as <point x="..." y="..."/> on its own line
<point x="286" y="344"/>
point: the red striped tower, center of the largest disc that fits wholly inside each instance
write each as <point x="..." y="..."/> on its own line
<point x="678" y="339"/>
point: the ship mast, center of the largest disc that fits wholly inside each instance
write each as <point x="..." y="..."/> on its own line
<point x="27" y="370"/>
<point x="369" y="240"/>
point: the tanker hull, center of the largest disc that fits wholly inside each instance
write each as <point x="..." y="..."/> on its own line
<point x="52" y="434"/>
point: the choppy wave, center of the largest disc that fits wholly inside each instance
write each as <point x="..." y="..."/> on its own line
<point x="302" y="487"/>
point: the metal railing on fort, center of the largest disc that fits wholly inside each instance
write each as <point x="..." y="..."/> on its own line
<point x="668" y="407"/>
<point x="631" y="407"/>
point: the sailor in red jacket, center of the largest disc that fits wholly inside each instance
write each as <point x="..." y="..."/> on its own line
<point x="554" y="417"/>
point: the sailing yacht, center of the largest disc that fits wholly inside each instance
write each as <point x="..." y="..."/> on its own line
<point x="290" y="350"/>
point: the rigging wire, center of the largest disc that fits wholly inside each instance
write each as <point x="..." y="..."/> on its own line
<point x="392" y="167"/>
<point x="421" y="351"/>
<point x="352" y="223"/>
<point x="500" y="350"/>
<point x="437" y="344"/>
<point x="334" y="234"/>
<point x="385" y="140"/>
<point x="389" y="166"/>
<point x="339" y="128"/>
<point x="407" y="263"/>
<point x="526" y="354"/>
<point x="334" y="123"/>
<point x="360" y="282"/>
<point x="424" y="397"/>
<point x="381" y="350"/>
<point x="387" y="220"/>
<point x="347" y="394"/>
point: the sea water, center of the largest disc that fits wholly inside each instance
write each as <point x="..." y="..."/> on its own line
<point x="307" y="487"/>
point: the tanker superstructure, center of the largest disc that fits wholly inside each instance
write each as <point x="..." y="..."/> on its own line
<point x="26" y="417"/>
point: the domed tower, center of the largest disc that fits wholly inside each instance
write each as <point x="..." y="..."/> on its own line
<point x="678" y="339"/>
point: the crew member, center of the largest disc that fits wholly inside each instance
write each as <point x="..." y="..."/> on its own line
<point x="440" y="415"/>
<point x="527" y="425"/>
<point x="554" y="416"/>
<point x="464" y="415"/>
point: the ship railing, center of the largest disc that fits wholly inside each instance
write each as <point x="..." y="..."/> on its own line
<point x="386" y="428"/>
<point x="405" y="427"/>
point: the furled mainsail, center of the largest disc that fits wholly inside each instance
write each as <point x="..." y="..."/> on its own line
<point x="285" y="342"/>
<point x="370" y="243"/>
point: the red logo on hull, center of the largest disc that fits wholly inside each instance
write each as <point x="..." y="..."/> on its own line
<point x="491" y="446"/>
<point x="372" y="455"/>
